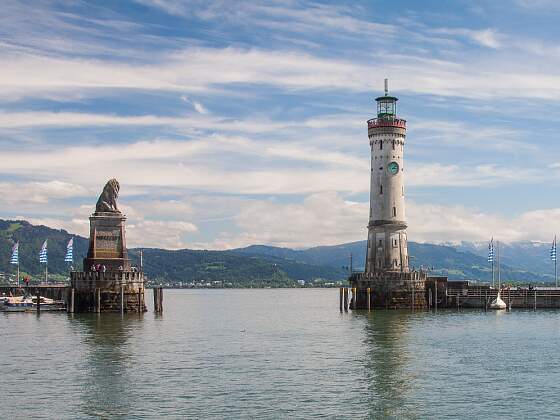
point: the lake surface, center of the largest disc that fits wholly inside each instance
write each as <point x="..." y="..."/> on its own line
<point x="279" y="354"/>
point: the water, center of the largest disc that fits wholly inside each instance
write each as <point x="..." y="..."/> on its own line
<point x="279" y="354"/>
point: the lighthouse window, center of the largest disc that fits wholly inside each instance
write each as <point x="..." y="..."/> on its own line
<point x="394" y="212"/>
<point x="381" y="145"/>
<point x="395" y="263"/>
<point x="393" y="145"/>
<point x="402" y="191"/>
<point x="381" y="189"/>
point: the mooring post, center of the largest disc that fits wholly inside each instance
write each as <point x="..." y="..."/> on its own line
<point x="369" y="299"/>
<point x="341" y="297"/>
<point x="156" y="300"/>
<point x="412" y="297"/>
<point x="435" y="295"/>
<point x="486" y="300"/>
<point x="345" y="299"/>
<point x="161" y="300"/>
<point x="122" y="299"/>
<point x="38" y="302"/>
<point x="535" y="295"/>
<point x="98" y="295"/>
<point x="72" y="296"/>
<point x="430" y="299"/>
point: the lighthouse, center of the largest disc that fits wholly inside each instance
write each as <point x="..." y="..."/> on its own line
<point x="387" y="280"/>
<point x="387" y="248"/>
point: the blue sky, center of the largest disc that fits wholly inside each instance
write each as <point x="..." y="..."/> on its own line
<point x="233" y="123"/>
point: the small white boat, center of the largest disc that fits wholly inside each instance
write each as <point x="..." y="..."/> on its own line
<point x="498" y="303"/>
<point x="29" y="304"/>
<point x="17" y="304"/>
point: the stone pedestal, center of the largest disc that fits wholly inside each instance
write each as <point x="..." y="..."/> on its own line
<point x="108" y="292"/>
<point x="107" y="242"/>
<point x="116" y="286"/>
<point x="389" y="290"/>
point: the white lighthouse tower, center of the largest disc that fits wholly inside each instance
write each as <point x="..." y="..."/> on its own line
<point x="387" y="280"/>
<point x="387" y="249"/>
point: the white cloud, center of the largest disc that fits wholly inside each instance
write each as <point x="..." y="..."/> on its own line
<point x="196" y="70"/>
<point x="199" y="108"/>
<point x="437" y="224"/>
<point x="77" y="226"/>
<point x="13" y="193"/>
<point x="160" y="234"/>
<point x="489" y="38"/>
<point x="321" y="219"/>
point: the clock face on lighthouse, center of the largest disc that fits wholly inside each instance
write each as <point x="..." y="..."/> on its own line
<point x="393" y="168"/>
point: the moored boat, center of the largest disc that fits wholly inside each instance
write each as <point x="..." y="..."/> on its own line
<point x="498" y="303"/>
<point x="29" y="304"/>
<point x="17" y="304"/>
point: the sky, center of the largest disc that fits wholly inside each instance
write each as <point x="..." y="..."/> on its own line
<point x="235" y="123"/>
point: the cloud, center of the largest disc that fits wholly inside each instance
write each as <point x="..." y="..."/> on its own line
<point x="199" y="108"/>
<point x="438" y="224"/>
<point x="195" y="70"/>
<point x="14" y="193"/>
<point x="489" y="38"/>
<point x="321" y="219"/>
<point x="160" y="234"/>
<point x="328" y="219"/>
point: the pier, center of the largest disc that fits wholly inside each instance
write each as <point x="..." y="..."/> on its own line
<point x="51" y="291"/>
<point x="439" y="293"/>
<point x="461" y="294"/>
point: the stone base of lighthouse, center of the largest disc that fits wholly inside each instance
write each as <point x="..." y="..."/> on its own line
<point x="389" y="290"/>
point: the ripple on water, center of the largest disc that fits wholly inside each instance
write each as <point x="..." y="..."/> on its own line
<point x="280" y="353"/>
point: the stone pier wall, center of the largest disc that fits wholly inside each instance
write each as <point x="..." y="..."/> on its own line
<point x="109" y="287"/>
<point x="390" y="290"/>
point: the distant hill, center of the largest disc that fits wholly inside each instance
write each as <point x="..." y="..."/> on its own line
<point x="527" y="255"/>
<point x="268" y="265"/>
<point x="164" y="265"/>
<point x="445" y="260"/>
<point x="30" y="238"/>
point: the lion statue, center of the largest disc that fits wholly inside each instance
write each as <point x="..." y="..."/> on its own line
<point x="108" y="199"/>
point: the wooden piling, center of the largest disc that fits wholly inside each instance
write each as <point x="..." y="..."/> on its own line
<point x="345" y="299"/>
<point x="413" y="304"/>
<point x="535" y="295"/>
<point x="435" y="295"/>
<point x="158" y="300"/>
<point x="430" y="299"/>
<point x="369" y="299"/>
<point x="98" y="298"/>
<point x="38" y="302"/>
<point x="341" y="298"/>
<point x="486" y="300"/>
<point x="122" y="299"/>
<point x="72" y="297"/>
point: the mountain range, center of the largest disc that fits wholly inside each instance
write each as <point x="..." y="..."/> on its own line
<point x="269" y="265"/>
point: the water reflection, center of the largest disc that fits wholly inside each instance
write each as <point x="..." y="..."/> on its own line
<point x="386" y="358"/>
<point x="107" y="388"/>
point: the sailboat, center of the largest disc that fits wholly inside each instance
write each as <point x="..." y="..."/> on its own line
<point x="498" y="303"/>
